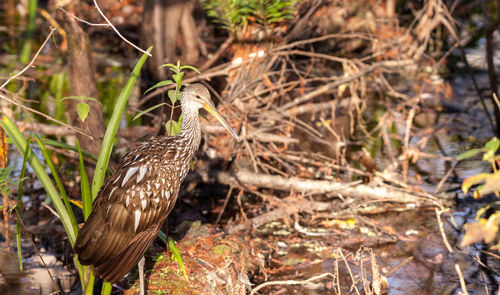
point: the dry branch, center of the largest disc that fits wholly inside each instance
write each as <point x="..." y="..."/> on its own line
<point x="137" y="132"/>
<point x="307" y="186"/>
<point x="325" y="88"/>
<point x="133" y="132"/>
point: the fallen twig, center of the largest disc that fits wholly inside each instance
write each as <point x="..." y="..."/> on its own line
<point x="462" y="281"/>
<point x="355" y="189"/>
<point x="291" y="282"/>
<point x="441" y="229"/>
<point x="140" y="131"/>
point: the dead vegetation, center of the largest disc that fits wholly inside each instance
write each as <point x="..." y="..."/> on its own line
<point x="300" y="107"/>
<point x="326" y="111"/>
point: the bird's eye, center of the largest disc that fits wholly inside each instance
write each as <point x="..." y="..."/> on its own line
<point x="197" y="96"/>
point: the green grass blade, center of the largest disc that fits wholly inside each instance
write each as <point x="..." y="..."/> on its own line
<point x="84" y="185"/>
<point x="89" y="288"/>
<point x="191" y="68"/>
<point x="59" y="183"/>
<point x="176" y="256"/>
<point x="50" y="164"/>
<point x="52" y="193"/>
<point x="25" y="53"/>
<point x="107" y="143"/>
<point x="18" y="242"/>
<point x="66" y="146"/>
<point x="148" y="110"/>
<point x="82" y="271"/>
<point x="106" y="288"/>
<point x="19" y="202"/>
<point x="65" y="214"/>
<point x="159" y="84"/>
<point x="468" y="154"/>
<point x="163" y="237"/>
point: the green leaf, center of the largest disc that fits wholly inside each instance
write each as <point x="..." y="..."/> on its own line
<point x="489" y="156"/>
<point x="159" y="84"/>
<point x="178" y="78"/>
<point x="172" y="127"/>
<point x="59" y="183"/>
<point x="148" y="110"/>
<point x="473" y="180"/>
<point x="176" y="256"/>
<point x="468" y="154"/>
<point x="112" y="128"/>
<point x="84" y="185"/>
<point x="191" y="68"/>
<point x="172" y="67"/>
<point x="172" y="94"/>
<point x="83" y="110"/>
<point x="492" y="145"/>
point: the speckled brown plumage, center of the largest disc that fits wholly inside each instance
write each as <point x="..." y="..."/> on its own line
<point x="134" y="202"/>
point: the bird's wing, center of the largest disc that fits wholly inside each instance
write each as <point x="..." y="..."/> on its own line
<point x="126" y="216"/>
<point x="115" y="269"/>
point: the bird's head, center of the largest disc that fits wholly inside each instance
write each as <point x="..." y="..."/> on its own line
<point x="197" y="96"/>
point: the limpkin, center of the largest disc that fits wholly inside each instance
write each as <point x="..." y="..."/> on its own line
<point x="134" y="202"/>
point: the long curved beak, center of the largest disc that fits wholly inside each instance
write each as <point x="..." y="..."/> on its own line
<point x="212" y="110"/>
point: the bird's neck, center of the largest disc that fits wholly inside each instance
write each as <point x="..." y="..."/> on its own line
<point x="190" y="128"/>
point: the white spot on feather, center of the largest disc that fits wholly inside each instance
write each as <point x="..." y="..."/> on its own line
<point x="127" y="201"/>
<point x="111" y="193"/>
<point x="142" y="172"/>
<point x="143" y="204"/>
<point x="141" y="194"/>
<point x="129" y="174"/>
<point x="156" y="200"/>
<point x="107" y="211"/>
<point x="168" y="195"/>
<point x="157" y="185"/>
<point x="137" y="218"/>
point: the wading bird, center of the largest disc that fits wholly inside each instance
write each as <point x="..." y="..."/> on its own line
<point x="134" y="202"/>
